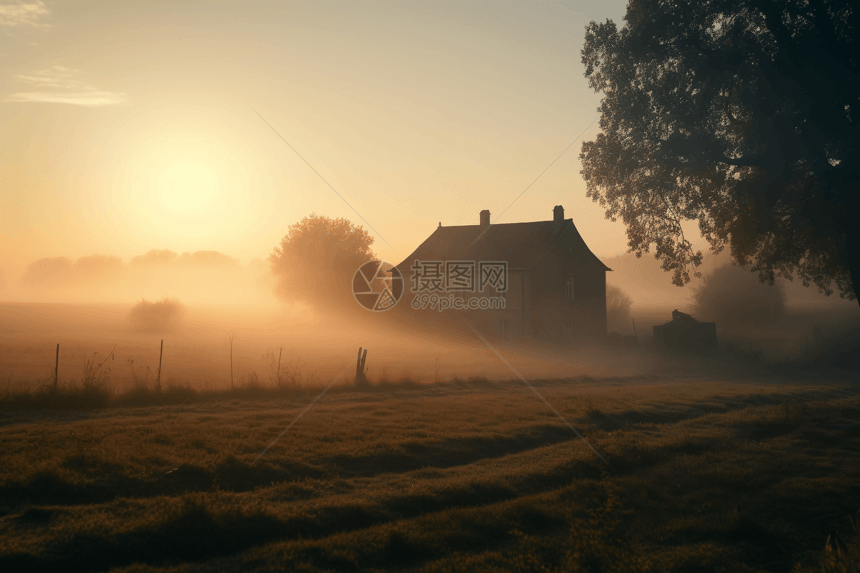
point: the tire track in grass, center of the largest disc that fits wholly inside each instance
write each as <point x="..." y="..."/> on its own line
<point x="194" y="533"/>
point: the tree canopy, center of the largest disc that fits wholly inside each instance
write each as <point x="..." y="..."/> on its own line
<point x="317" y="258"/>
<point x="741" y="115"/>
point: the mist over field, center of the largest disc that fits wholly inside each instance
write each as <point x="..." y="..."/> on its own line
<point x="200" y="276"/>
<point x="197" y="301"/>
<point x="246" y="440"/>
<point x="444" y="456"/>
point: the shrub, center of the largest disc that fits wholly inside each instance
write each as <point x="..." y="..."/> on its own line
<point x="157" y="317"/>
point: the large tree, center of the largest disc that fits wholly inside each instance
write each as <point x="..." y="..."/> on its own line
<point x="316" y="260"/>
<point x="742" y="115"/>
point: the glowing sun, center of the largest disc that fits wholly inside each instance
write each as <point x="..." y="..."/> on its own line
<point x="187" y="187"/>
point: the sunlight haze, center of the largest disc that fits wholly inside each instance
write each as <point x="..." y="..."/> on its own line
<point x="129" y="127"/>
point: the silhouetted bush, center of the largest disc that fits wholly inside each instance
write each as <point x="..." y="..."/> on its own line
<point x="156" y="317"/>
<point x="733" y="296"/>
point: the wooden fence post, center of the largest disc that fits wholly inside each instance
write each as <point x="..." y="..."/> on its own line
<point x="230" y="337"/>
<point x="158" y="378"/>
<point x="358" y="367"/>
<point x="56" y="367"/>
<point x="360" y="377"/>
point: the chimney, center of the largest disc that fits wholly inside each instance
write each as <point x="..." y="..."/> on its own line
<point x="485" y="218"/>
<point x="558" y="214"/>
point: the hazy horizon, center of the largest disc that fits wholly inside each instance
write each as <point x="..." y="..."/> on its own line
<point x="118" y="139"/>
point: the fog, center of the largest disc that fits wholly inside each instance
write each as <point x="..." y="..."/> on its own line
<point x="651" y="288"/>
<point x="201" y="277"/>
<point x="314" y="348"/>
<point x="206" y="305"/>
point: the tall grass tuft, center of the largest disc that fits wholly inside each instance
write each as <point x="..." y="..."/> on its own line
<point x="96" y="376"/>
<point x="838" y="556"/>
<point x="286" y="375"/>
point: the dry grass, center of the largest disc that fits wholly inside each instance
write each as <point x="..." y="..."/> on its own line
<point x="468" y="475"/>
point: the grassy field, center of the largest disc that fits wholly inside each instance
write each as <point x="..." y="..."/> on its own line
<point x="707" y="471"/>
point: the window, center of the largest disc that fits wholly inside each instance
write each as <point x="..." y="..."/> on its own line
<point x="568" y="288"/>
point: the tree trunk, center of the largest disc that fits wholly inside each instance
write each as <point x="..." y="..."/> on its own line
<point x="852" y="254"/>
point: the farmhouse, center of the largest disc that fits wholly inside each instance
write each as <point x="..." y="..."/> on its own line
<point x="553" y="288"/>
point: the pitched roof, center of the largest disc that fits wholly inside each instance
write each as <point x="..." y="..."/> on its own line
<point x="522" y="245"/>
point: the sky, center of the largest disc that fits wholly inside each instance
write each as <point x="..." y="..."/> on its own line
<point x="132" y="126"/>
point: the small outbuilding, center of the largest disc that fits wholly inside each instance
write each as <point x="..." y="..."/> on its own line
<point x="686" y="334"/>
